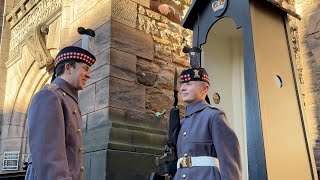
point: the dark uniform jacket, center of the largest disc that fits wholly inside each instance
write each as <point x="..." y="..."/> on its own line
<point x="206" y="132"/>
<point x="55" y="134"/>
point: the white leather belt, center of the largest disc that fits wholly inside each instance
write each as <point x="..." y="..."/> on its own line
<point x="188" y="161"/>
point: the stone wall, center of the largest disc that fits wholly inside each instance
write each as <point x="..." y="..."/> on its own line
<point x="132" y="79"/>
<point x="137" y="44"/>
<point x="4" y="49"/>
<point x="308" y="65"/>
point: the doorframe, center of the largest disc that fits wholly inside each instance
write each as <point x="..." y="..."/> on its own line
<point x="200" y="19"/>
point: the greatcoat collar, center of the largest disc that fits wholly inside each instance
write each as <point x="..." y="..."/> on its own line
<point x="67" y="88"/>
<point x="195" y="107"/>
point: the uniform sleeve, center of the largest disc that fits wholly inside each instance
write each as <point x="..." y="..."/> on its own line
<point x="227" y="147"/>
<point x="47" y="137"/>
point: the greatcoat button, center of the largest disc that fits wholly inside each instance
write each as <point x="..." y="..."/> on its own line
<point x="75" y="111"/>
<point x="185" y="133"/>
<point x="82" y="168"/>
<point x="184" y="176"/>
<point x="78" y="130"/>
<point x="64" y="94"/>
<point x="80" y="149"/>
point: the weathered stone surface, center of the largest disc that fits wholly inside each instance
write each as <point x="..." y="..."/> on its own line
<point x="148" y="139"/>
<point x="165" y="80"/>
<point x="102" y="94"/>
<point x="308" y="49"/>
<point x="117" y="115"/>
<point x="163" y="52"/>
<point x="125" y="12"/>
<point x="146" y="65"/>
<point x="288" y="5"/>
<point x="316" y="55"/>
<point x="99" y="74"/>
<point x="146" y="78"/>
<point x="126" y="95"/>
<point x="11" y="144"/>
<point x="98" y="119"/>
<point x="161" y="41"/>
<point x="84" y="123"/>
<point x="121" y="135"/>
<point x="102" y="59"/>
<point x="153" y="15"/>
<point x="81" y="6"/>
<point x="15" y="131"/>
<point x="123" y="65"/>
<point x="141" y="10"/>
<point x="147" y="25"/>
<point x="101" y="13"/>
<point x="86" y="164"/>
<point x="42" y="12"/>
<point x="132" y="41"/>
<point x="145" y="3"/>
<point x="139" y="119"/>
<point x="16" y="118"/>
<point x="124" y="60"/>
<point x="156" y="100"/>
<point x="184" y="61"/>
<point x="98" y="164"/>
<point x="143" y="165"/>
<point x="87" y="99"/>
<point x="96" y="140"/>
<point x="102" y="39"/>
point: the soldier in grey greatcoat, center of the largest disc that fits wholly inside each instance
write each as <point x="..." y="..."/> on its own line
<point x="54" y="120"/>
<point x="207" y="147"/>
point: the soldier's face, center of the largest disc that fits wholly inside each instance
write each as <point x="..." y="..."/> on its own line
<point x="80" y="74"/>
<point x="193" y="91"/>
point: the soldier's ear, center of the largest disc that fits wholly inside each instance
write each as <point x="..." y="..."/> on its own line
<point x="206" y="88"/>
<point x="67" y="68"/>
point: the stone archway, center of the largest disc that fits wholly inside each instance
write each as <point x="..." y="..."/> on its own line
<point x="30" y="80"/>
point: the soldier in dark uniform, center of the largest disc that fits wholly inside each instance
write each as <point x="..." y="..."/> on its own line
<point x="207" y="147"/>
<point x="54" y="120"/>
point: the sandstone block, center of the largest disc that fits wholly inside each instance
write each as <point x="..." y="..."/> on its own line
<point x="87" y="99"/>
<point x="84" y="123"/>
<point x="102" y="94"/>
<point x="125" y="12"/>
<point x="146" y="78"/>
<point x="82" y="6"/>
<point x="132" y="41"/>
<point x="145" y="3"/>
<point x="98" y="119"/>
<point x="101" y="13"/>
<point x="123" y="65"/>
<point x="156" y="100"/>
<point x="146" y="65"/>
<point x="99" y="74"/>
<point x="102" y="59"/>
<point x="102" y="39"/>
<point x="116" y="114"/>
<point x="126" y="94"/>
<point x="316" y="55"/>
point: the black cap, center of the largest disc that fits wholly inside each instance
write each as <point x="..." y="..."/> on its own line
<point x="72" y="53"/>
<point x="194" y="74"/>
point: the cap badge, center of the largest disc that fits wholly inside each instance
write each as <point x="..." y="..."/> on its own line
<point x="196" y="73"/>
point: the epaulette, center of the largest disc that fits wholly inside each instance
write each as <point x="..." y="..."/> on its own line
<point x="215" y="108"/>
<point x="51" y="87"/>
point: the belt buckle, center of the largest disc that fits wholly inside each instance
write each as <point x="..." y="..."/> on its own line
<point x="185" y="162"/>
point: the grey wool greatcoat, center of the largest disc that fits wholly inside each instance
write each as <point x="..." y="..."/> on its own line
<point x="55" y="134"/>
<point x="206" y="132"/>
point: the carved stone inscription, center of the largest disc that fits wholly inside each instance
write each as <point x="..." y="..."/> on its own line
<point x="43" y="10"/>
